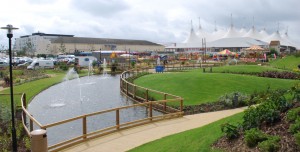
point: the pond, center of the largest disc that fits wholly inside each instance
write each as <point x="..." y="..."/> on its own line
<point x="80" y="96"/>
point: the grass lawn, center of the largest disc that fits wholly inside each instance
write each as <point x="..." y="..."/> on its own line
<point x="197" y="87"/>
<point x="289" y="62"/>
<point x="34" y="87"/>
<point x="199" y="139"/>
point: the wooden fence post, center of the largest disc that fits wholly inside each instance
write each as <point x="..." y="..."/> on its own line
<point x="150" y="110"/>
<point x="127" y="88"/>
<point x="181" y="104"/>
<point x="147" y="95"/>
<point x="165" y="103"/>
<point x="30" y="125"/>
<point x="118" y="118"/>
<point x="84" y="127"/>
<point x="134" y="90"/>
<point x="25" y="106"/>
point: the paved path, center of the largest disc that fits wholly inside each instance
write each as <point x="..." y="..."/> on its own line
<point x="127" y="139"/>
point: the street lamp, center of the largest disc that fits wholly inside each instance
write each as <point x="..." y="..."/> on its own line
<point x="9" y="29"/>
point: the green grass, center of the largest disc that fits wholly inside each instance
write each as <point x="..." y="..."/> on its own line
<point x="34" y="87"/>
<point x="31" y="89"/>
<point x="246" y="69"/>
<point x="199" y="139"/>
<point x="197" y="87"/>
<point x="289" y="62"/>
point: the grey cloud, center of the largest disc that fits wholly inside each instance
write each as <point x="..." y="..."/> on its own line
<point x="103" y="8"/>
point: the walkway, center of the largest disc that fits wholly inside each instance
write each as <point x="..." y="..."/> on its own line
<point x="127" y="139"/>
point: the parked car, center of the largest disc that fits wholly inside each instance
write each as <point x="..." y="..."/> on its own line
<point x="25" y="64"/>
<point x="3" y="64"/>
<point x="41" y="64"/>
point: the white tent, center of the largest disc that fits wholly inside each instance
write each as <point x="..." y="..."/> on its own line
<point x="231" y="33"/>
<point x="193" y="38"/>
<point x="252" y="33"/>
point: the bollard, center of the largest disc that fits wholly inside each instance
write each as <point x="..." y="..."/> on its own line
<point x="203" y="70"/>
<point x="39" y="140"/>
<point x="210" y="70"/>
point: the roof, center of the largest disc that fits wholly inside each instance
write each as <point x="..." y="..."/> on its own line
<point x="241" y="42"/>
<point x="274" y="43"/>
<point x="237" y="42"/>
<point x="44" y="34"/>
<point x="101" y="41"/>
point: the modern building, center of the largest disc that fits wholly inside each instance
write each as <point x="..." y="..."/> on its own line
<point x="41" y="43"/>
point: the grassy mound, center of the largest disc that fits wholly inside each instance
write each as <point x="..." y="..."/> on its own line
<point x="197" y="87"/>
<point x="289" y="62"/>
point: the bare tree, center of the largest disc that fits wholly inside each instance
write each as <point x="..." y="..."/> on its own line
<point x="62" y="48"/>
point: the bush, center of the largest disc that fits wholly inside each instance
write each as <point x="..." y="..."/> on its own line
<point x="266" y="112"/>
<point x="293" y="114"/>
<point x="254" y="136"/>
<point x="295" y="91"/>
<point x="269" y="113"/>
<point x="251" y="118"/>
<point x="231" y="131"/>
<point x="277" y="74"/>
<point x="235" y="99"/>
<point x="270" y="145"/>
<point x="297" y="138"/>
<point x="113" y="67"/>
<point x="63" y="66"/>
<point x="294" y="128"/>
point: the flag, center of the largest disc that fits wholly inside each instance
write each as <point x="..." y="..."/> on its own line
<point x="274" y="56"/>
<point x="265" y="56"/>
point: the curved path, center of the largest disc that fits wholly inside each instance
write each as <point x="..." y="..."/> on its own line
<point x="127" y="139"/>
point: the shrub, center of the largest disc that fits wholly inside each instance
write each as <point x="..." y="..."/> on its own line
<point x="269" y="113"/>
<point x="297" y="138"/>
<point x="63" y="66"/>
<point x="293" y="114"/>
<point x="254" y="136"/>
<point x="251" y="118"/>
<point x="277" y="74"/>
<point x="114" y="67"/>
<point x="265" y="112"/>
<point x="231" y="131"/>
<point x="294" y="128"/>
<point x="235" y="99"/>
<point x="295" y="91"/>
<point x="270" y="145"/>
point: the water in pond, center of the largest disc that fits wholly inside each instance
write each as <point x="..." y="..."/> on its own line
<point x="75" y="97"/>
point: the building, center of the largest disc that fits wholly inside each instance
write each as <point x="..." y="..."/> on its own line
<point x="275" y="45"/>
<point x="37" y="43"/>
<point x="41" y="43"/>
<point x="233" y="39"/>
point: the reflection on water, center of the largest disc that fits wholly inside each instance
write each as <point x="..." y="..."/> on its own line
<point x="73" y="98"/>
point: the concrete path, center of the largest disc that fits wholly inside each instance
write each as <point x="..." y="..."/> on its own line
<point x="127" y="139"/>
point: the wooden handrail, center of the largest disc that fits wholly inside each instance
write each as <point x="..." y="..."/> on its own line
<point x="118" y="125"/>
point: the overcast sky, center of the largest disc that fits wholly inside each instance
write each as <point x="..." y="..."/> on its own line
<point x="153" y="20"/>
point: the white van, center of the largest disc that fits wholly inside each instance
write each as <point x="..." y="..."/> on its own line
<point x="41" y="64"/>
<point x="84" y="61"/>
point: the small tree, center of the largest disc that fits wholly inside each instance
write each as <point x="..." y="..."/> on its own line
<point x="62" y="48"/>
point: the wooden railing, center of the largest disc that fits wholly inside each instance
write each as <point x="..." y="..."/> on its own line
<point x="161" y="105"/>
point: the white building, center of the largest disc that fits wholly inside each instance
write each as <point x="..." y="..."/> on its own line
<point x="37" y="43"/>
<point x="41" y="43"/>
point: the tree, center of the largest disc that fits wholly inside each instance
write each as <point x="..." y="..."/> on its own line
<point x="62" y="48"/>
<point x="29" y="48"/>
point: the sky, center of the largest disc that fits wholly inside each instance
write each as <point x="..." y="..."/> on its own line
<point x="161" y="21"/>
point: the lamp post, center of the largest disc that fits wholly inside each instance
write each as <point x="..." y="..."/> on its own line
<point x="9" y="29"/>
